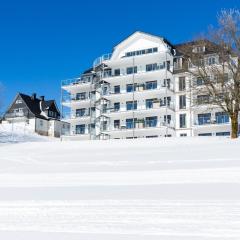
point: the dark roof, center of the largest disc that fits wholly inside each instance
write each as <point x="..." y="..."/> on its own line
<point x="88" y="71"/>
<point x="34" y="105"/>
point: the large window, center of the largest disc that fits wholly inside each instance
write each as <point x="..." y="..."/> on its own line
<point x="151" y="67"/>
<point x="182" y="120"/>
<point x="117" y="72"/>
<point x="182" y="101"/>
<point x="116" y="124"/>
<point x="131" y="70"/>
<point x="167" y="119"/>
<point x="222" y="134"/>
<point x="81" y="112"/>
<point x="204" y="118"/>
<point x="131" y="123"/>
<point x="182" y="83"/>
<point x="130" y="87"/>
<point x="151" y="121"/>
<point x="141" y="52"/>
<point x="81" y="96"/>
<point x="116" y="106"/>
<point x="203" y="99"/>
<point x="149" y="103"/>
<point x="151" y="85"/>
<point x="222" y="117"/>
<point x="80" y="129"/>
<point x="117" y="89"/>
<point x="131" y="105"/>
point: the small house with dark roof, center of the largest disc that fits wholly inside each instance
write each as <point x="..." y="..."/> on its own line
<point x="39" y="115"/>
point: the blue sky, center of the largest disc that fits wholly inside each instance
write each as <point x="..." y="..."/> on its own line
<point x="43" y="42"/>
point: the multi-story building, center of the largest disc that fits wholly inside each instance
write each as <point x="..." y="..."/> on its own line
<point x="140" y="90"/>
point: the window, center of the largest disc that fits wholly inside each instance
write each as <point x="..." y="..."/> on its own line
<point x="131" y="70"/>
<point x="166" y="101"/>
<point x="149" y="103"/>
<point x="167" y="119"/>
<point x="199" y="81"/>
<point x="117" y="72"/>
<point x="81" y="96"/>
<point x="204" y="118"/>
<point x="19" y="101"/>
<point x="151" y="85"/>
<point x="151" y="121"/>
<point x="182" y="83"/>
<point x="80" y="129"/>
<point x="211" y="60"/>
<point x="151" y="67"/>
<point x="105" y="90"/>
<point x="117" y="89"/>
<point x="116" y="106"/>
<point x="80" y="112"/>
<point x="182" y="120"/>
<point x="166" y="83"/>
<point x="116" y="124"/>
<point x="182" y="101"/>
<point x="41" y="123"/>
<point x="221" y="134"/>
<point x="130" y="105"/>
<point x="130" y="87"/>
<point x="203" y="99"/>
<point x="205" y="134"/>
<point x="104" y="108"/>
<point x="222" y="117"/>
<point x="177" y="63"/>
<point x="141" y="52"/>
<point x="131" y="123"/>
<point x="153" y="136"/>
<point x="183" y="135"/>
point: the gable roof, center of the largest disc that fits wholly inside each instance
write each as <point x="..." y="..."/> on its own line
<point x="34" y="105"/>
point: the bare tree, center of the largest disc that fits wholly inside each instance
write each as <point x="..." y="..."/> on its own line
<point x="214" y="62"/>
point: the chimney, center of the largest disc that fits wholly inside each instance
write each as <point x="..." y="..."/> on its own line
<point x="42" y="98"/>
<point x="34" y="96"/>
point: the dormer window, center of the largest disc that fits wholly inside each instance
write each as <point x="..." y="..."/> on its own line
<point x="199" y="49"/>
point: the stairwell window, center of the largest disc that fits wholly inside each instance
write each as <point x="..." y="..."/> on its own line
<point x="182" y="120"/>
<point x="182" y="83"/>
<point x="182" y="102"/>
<point x="131" y="70"/>
<point x="131" y="105"/>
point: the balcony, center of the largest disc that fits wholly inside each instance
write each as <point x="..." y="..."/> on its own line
<point x="76" y="82"/>
<point x="98" y="61"/>
<point x="140" y="125"/>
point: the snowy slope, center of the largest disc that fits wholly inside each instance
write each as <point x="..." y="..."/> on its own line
<point x="151" y="189"/>
<point x="18" y="133"/>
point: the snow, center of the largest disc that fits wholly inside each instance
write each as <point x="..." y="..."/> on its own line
<point x="15" y="133"/>
<point x="148" y="189"/>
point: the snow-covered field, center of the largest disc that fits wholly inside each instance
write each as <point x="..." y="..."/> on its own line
<point x="149" y="189"/>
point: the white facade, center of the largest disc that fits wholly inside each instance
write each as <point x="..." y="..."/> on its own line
<point x="104" y="104"/>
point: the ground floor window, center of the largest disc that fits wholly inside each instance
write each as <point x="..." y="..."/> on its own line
<point x="222" y="117"/>
<point x="153" y="136"/>
<point x="182" y="120"/>
<point x="205" y="134"/>
<point x="223" y="134"/>
<point x="204" y="118"/>
<point x="183" y="135"/>
<point x="151" y="121"/>
<point x="80" y="129"/>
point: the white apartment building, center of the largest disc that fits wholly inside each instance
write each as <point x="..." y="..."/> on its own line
<point x="140" y="90"/>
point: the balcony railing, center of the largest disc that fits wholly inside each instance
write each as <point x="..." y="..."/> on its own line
<point x="102" y="59"/>
<point x="76" y="81"/>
